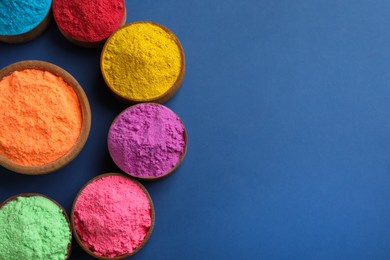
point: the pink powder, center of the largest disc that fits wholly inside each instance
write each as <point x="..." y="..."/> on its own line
<point x="112" y="216"/>
<point x="147" y="140"/>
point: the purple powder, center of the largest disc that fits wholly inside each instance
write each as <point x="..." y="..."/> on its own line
<point x="147" y="140"/>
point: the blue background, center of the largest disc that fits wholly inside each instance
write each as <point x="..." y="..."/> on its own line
<point x="287" y="108"/>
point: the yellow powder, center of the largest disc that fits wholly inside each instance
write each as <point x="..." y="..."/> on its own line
<point x="141" y="61"/>
<point x="40" y="117"/>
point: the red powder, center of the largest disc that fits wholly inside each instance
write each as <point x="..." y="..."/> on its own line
<point x="112" y="216"/>
<point x="89" y="21"/>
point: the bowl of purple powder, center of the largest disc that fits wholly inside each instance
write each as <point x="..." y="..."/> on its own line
<point x="147" y="141"/>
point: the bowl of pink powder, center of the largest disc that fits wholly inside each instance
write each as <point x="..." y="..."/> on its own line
<point x="147" y="141"/>
<point x="112" y="216"/>
<point x="45" y="117"/>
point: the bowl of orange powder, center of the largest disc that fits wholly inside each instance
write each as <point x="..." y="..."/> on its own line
<point x="45" y="117"/>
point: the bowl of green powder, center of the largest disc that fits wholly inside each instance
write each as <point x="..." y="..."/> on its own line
<point x="33" y="226"/>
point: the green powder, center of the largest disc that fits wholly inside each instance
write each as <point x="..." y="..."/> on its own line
<point x="33" y="228"/>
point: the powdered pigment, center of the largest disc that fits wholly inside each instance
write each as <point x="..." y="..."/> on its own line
<point x="40" y="117"/>
<point x="86" y="20"/>
<point x="112" y="216"/>
<point x="18" y="17"/>
<point x="147" y="140"/>
<point x="33" y="228"/>
<point x="141" y="61"/>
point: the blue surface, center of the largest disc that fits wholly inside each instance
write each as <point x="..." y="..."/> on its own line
<point x="287" y="108"/>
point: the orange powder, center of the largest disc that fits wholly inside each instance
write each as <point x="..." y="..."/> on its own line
<point x="40" y="117"/>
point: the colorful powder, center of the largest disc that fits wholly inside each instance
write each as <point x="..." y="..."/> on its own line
<point x="141" y="61"/>
<point x="112" y="216"/>
<point x="40" y="118"/>
<point x="89" y="21"/>
<point x="18" y="17"/>
<point x="33" y="228"/>
<point x="147" y="140"/>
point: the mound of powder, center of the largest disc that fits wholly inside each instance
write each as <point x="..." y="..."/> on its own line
<point x="33" y="228"/>
<point x="18" y="17"/>
<point x="112" y="216"/>
<point x="141" y="61"/>
<point x="147" y="140"/>
<point x="86" y="20"/>
<point x="40" y="117"/>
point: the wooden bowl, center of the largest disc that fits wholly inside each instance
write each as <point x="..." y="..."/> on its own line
<point x="85" y="110"/>
<point x="90" y="44"/>
<point x="152" y="178"/>
<point x="163" y="97"/>
<point x="31" y="35"/>
<point x="77" y="237"/>
<point x="52" y="200"/>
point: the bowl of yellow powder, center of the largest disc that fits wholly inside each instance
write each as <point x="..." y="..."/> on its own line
<point x="33" y="226"/>
<point x="143" y="62"/>
<point x="45" y="117"/>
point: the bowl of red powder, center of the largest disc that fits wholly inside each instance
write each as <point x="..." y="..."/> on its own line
<point x="112" y="216"/>
<point x="45" y="117"/>
<point x="147" y="141"/>
<point x="89" y="23"/>
<point x="33" y="226"/>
